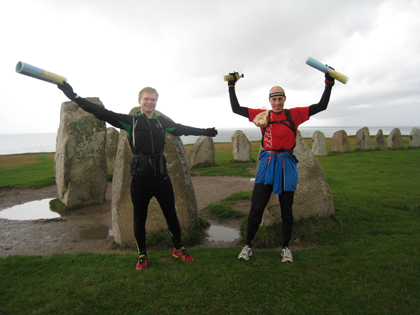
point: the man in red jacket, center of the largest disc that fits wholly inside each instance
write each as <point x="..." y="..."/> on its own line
<point x="277" y="171"/>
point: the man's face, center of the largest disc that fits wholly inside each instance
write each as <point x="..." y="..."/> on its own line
<point x="277" y="102"/>
<point x="148" y="102"/>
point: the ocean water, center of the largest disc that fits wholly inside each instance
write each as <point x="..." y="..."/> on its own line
<point x="45" y="142"/>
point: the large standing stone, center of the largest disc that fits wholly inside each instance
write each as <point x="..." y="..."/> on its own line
<point x="202" y="152"/>
<point x="319" y="144"/>
<point x="340" y="142"/>
<point x="80" y="167"/>
<point x="313" y="195"/>
<point x="178" y="169"/>
<point x="363" y="139"/>
<point x="121" y="205"/>
<point x="414" y="138"/>
<point x="112" y="136"/>
<point x="380" y="141"/>
<point x="241" y="147"/>
<point x="395" y="141"/>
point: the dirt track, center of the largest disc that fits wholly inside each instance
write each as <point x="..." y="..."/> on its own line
<point x="86" y="230"/>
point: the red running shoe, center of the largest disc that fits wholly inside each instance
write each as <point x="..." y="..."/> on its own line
<point x="142" y="263"/>
<point x="183" y="254"/>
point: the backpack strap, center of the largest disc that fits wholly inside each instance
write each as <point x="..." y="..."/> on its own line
<point x="291" y="126"/>
<point x="134" y="133"/>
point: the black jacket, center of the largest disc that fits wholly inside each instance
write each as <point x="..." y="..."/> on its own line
<point x="147" y="142"/>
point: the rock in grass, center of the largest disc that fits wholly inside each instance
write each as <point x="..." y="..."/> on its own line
<point x="241" y="147"/>
<point x="363" y="139"/>
<point x="379" y="143"/>
<point x="340" y="142"/>
<point x="80" y="166"/>
<point x="415" y="138"/>
<point x="202" y="153"/>
<point x="319" y="144"/>
<point x="395" y="141"/>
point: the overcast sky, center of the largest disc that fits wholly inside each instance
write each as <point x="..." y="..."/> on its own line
<point x="112" y="49"/>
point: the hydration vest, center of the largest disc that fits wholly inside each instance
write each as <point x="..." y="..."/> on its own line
<point x="147" y="164"/>
<point x="291" y="126"/>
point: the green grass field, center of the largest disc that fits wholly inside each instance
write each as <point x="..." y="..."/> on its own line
<point x="368" y="263"/>
<point x="31" y="169"/>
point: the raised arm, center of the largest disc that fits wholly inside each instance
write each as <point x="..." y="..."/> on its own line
<point x="120" y="121"/>
<point x="323" y="103"/>
<point x="236" y="108"/>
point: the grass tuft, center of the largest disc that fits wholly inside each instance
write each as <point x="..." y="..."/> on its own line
<point x="162" y="239"/>
<point x="58" y="206"/>
<point x="245" y="162"/>
<point x="414" y="207"/>
<point x="224" y="210"/>
<point x="204" y="165"/>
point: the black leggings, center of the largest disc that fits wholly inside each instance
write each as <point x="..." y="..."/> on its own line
<point x="143" y="188"/>
<point x="260" y="197"/>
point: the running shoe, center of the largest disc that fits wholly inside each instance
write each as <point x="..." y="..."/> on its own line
<point x="142" y="262"/>
<point x="182" y="254"/>
<point x="245" y="253"/>
<point x="286" y="254"/>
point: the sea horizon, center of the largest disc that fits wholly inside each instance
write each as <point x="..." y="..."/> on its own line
<point x="46" y="142"/>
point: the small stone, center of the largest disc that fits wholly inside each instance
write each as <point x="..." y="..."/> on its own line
<point x="395" y="141"/>
<point x="340" y="142"/>
<point x="319" y="144"/>
<point x="241" y="147"/>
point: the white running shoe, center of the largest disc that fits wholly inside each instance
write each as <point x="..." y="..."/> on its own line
<point x="286" y="254"/>
<point x="245" y="253"/>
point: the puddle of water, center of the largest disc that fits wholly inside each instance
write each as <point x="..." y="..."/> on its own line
<point x="96" y="233"/>
<point x="222" y="233"/>
<point x="33" y="210"/>
<point x="40" y="209"/>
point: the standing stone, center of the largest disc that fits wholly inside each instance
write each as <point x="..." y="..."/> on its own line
<point x="313" y="195"/>
<point x="380" y="141"/>
<point x="363" y="139"/>
<point x="112" y="137"/>
<point x="178" y="169"/>
<point x="395" y="141"/>
<point x="202" y="153"/>
<point x="340" y="142"/>
<point x="121" y="205"/>
<point x="79" y="161"/>
<point x="319" y="144"/>
<point x="241" y="147"/>
<point x="414" y="138"/>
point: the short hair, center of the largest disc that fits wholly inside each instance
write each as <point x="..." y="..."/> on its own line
<point x="148" y="89"/>
<point x="277" y="87"/>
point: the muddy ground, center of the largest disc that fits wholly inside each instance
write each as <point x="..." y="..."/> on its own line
<point x="87" y="229"/>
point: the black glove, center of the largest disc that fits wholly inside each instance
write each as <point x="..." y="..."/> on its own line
<point x="329" y="80"/>
<point x="67" y="90"/>
<point x="210" y="132"/>
<point x="233" y="82"/>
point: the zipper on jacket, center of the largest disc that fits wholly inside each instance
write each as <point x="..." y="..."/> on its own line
<point x="153" y="147"/>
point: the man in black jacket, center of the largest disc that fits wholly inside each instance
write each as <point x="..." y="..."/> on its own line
<point x="149" y="175"/>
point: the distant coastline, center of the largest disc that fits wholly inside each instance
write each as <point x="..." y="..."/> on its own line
<point x="45" y="142"/>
